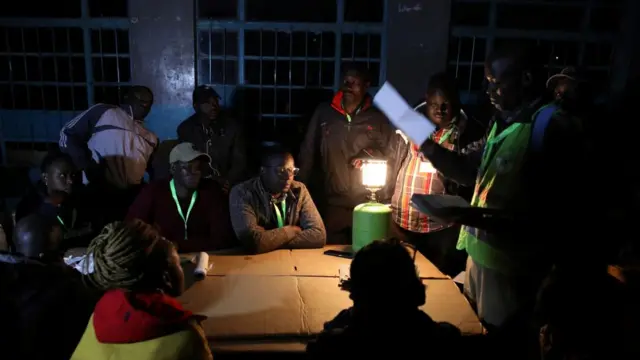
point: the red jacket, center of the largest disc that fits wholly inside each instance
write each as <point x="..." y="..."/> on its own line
<point x="208" y="227"/>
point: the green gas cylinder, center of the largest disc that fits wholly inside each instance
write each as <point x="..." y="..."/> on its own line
<point x="371" y="221"/>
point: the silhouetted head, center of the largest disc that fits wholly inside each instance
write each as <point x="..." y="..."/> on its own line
<point x="355" y="84"/>
<point x="443" y="99"/>
<point x="206" y="102"/>
<point x="58" y="173"/>
<point x="39" y="237"/>
<point x="133" y="256"/>
<point x="383" y="275"/>
<point x="139" y="99"/>
<point x="512" y="75"/>
<point x="569" y="89"/>
<point x="277" y="171"/>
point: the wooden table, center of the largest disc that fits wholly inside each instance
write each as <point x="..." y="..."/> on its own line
<point x="279" y="300"/>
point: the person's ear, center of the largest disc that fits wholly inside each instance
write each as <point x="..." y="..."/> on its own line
<point x="527" y="79"/>
<point x="172" y="169"/>
<point x="167" y="285"/>
<point x="261" y="170"/>
<point x="45" y="178"/>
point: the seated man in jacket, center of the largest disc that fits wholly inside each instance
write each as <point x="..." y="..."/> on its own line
<point x="58" y="197"/>
<point x="273" y="211"/>
<point x="40" y="295"/>
<point x="190" y="212"/>
<point x="139" y="317"/>
<point x="385" y="318"/>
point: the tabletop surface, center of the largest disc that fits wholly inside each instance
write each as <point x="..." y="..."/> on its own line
<point x="290" y="294"/>
<point x="307" y="262"/>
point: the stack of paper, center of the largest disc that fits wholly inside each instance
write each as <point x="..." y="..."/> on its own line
<point x="413" y="124"/>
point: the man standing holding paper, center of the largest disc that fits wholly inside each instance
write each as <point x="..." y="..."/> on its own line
<point x="340" y="133"/>
<point x="526" y="174"/>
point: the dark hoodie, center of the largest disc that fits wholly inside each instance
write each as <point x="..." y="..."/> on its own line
<point x="332" y="143"/>
<point x="44" y="308"/>
<point x="130" y="325"/>
<point x="388" y="334"/>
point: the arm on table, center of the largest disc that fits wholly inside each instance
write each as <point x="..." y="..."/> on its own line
<point x="313" y="233"/>
<point x="461" y="168"/>
<point x="307" y="153"/>
<point x="254" y="238"/>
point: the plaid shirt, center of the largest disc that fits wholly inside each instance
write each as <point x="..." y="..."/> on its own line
<point x="418" y="176"/>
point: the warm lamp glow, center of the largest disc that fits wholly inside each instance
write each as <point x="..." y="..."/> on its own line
<point x="374" y="173"/>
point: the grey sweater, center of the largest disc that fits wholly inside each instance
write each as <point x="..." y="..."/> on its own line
<point x="254" y="220"/>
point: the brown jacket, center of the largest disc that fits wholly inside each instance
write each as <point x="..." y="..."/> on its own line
<point x="254" y="220"/>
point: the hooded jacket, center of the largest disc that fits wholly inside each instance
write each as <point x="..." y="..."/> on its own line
<point x="44" y="308"/>
<point x="141" y="326"/>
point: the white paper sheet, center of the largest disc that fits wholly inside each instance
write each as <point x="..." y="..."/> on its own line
<point x="413" y="124"/>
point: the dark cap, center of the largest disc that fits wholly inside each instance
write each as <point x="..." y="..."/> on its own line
<point x="568" y="73"/>
<point x="203" y="93"/>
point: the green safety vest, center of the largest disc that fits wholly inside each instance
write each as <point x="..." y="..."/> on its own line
<point x="500" y="184"/>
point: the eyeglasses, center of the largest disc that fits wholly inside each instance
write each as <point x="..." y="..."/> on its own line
<point x="282" y="171"/>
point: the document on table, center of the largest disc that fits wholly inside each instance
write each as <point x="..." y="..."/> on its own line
<point x="413" y="124"/>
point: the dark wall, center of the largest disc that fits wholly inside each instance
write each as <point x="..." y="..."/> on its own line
<point x="418" y="32"/>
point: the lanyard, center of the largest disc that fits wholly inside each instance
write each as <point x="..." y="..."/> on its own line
<point x="492" y="140"/>
<point x="74" y="214"/>
<point x="355" y="112"/>
<point x="445" y="136"/>
<point x="279" y="215"/>
<point x="175" y="198"/>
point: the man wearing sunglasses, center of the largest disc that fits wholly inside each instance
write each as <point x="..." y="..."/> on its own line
<point x="273" y="211"/>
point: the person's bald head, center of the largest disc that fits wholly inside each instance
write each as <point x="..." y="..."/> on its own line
<point x="139" y="98"/>
<point x="38" y="236"/>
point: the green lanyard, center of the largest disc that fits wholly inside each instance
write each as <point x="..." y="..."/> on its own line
<point x="445" y="136"/>
<point x="74" y="214"/>
<point x="492" y="140"/>
<point x="279" y="215"/>
<point x="193" y="201"/>
<point x="349" y="115"/>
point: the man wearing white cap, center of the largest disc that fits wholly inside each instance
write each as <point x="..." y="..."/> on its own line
<point x="191" y="212"/>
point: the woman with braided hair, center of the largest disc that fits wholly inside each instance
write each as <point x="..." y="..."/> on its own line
<point x="138" y="317"/>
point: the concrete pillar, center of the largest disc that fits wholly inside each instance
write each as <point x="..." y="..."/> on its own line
<point x="162" y="58"/>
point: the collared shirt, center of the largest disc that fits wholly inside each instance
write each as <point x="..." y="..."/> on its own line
<point x="418" y="176"/>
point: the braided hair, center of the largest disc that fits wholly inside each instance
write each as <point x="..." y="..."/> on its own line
<point x="125" y="256"/>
